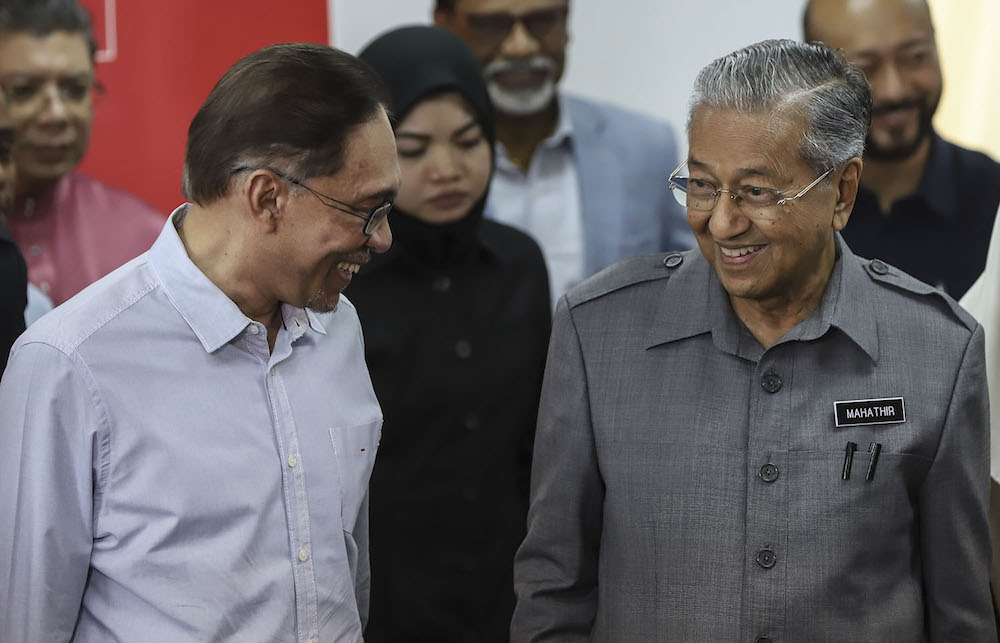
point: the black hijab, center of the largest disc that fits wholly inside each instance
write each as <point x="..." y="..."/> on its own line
<point x="415" y="63"/>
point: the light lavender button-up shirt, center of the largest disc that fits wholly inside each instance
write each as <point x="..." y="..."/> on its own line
<point x="163" y="477"/>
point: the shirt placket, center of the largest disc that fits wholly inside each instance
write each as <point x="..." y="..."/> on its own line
<point x="293" y="485"/>
<point x="765" y="549"/>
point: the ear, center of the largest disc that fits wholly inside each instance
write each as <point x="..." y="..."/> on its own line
<point x="847" y="182"/>
<point x="265" y="196"/>
<point x="444" y="19"/>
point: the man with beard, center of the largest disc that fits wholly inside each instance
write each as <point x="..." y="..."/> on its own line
<point x="13" y="271"/>
<point x="926" y="205"/>
<point x="71" y="228"/>
<point x="583" y="178"/>
<point x="185" y="447"/>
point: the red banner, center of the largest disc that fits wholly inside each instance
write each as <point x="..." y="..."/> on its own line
<point x="157" y="61"/>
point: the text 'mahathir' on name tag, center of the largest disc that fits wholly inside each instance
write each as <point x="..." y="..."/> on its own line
<point x="886" y="410"/>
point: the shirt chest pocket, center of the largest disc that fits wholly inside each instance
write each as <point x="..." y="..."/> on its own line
<point x="354" y="448"/>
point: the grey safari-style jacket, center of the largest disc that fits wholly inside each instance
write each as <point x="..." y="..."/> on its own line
<point x="688" y="485"/>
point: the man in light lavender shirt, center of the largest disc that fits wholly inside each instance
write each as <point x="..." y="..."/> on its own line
<point x="185" y="446"/>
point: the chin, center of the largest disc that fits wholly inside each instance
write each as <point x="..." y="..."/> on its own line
<point x="321" y="302"/>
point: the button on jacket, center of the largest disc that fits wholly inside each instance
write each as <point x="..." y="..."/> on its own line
<point x="164" y="478"/>
<point x="688" y="484"/>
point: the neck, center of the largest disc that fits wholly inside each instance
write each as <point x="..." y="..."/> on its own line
<point x="214" y="241"/>
<point x="893" y="180"/>
<point x="768" y="319"/>
<point x="521" y="135"/>
<point x="30" y="186"/>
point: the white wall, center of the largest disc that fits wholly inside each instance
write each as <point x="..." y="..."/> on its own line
<point x="642" y="54"/>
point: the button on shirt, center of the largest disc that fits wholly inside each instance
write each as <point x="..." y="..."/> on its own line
<point x="940" y="233"/>
<point x="545" y="203"/>
<point x="164" y="477"/>
<point x="78" y="231"/>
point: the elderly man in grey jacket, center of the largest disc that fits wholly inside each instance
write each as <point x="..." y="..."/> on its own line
<point x="771" y="439"/>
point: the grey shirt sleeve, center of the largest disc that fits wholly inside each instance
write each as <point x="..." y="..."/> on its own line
<point x="555" y="570"/>
<point x="954" y="500"/>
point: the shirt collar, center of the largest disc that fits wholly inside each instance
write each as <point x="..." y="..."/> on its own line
<point x="213" y="316"/>
<point x="562" y="135"/>
<point x="938" y="186"/>
<point x="707" y="309"/>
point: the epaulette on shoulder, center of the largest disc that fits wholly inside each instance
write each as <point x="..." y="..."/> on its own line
<point x="625" y="273"/>
<point x="890" y="276"/>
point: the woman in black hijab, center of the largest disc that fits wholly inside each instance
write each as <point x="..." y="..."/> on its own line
<point x="456" y="321"/>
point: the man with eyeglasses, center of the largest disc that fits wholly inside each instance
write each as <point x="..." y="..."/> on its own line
<point x="769" y="439"/>
<point x="72" y="228"/>
<point x="185" y="447"/>
<point x="926" y="205"/>
<point x="580" y="176"/>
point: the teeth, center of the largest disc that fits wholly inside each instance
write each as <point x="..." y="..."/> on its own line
<point x="739" y="252"/>
<point x="352" y="268"/>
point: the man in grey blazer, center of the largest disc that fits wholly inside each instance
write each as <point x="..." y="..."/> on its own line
<point x="585" y="179"/>
<point x="771" y="439"/>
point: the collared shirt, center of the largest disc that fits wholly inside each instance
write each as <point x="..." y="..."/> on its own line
<point x="163" y="477"/>
<point x="688" y="484"/>
<point x="545" y="203"/>
<point x="78" y="231"/>
<point x="940" y="233"/>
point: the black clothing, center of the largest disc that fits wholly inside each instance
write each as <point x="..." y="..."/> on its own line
<point x="13" y="294"/>
<point x="456" y="356"/>
<point x="456" y="320"/>
<point x="940" y="233"/>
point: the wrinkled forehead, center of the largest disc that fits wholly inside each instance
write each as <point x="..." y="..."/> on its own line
<point x="371" y="166"/>
<point x="870" y="26"/>
<point x="516" y="7"/>
<point x="59" y="52"/>
<point x="763" y="142"/>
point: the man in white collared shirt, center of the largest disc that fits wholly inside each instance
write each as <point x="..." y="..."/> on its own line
<point x="185" y="445"/>
<point x="582" y="177"/>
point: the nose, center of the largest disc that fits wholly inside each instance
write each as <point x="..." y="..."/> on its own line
<point x="444" y="164"/>
<point x="727" y="220"/>
<point x="889" y="85"/>
<point x="519" y="43"/>
<point x="54" y="106"/>
<point x="381" y="239"/>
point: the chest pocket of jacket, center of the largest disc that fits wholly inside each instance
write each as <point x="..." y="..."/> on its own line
<point x="354" y="447"/>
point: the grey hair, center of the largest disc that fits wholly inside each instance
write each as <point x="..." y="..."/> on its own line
<point x="774" y="75"/>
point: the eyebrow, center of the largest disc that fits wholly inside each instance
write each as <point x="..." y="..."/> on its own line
<point x="31" y="75"/>
<point x="426" y="137"/>
<point x="916" y="41"/>
<point x="382" y="196"/>
<point x="743" y="171"/>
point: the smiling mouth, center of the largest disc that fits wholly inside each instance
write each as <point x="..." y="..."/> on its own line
<point x="740" y="252"/>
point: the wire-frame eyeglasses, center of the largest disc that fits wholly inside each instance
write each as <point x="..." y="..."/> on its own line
<point x="373" y="218"/>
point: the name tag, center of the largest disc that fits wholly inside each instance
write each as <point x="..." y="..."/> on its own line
<point x="887" y="410"/>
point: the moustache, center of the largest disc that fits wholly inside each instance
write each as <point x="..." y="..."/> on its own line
<point x="885" y="108"/>
<point x="533" y="64"/>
